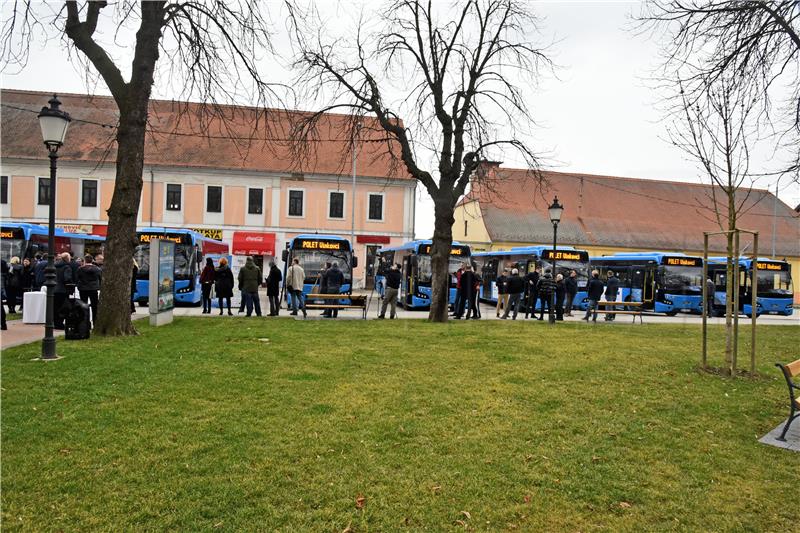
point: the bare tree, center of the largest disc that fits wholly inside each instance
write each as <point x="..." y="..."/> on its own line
<point x="210" y="49"/>
<point x="460" y="78"/>
<point x="720" y="132"/>
<point x="751" y="43"/>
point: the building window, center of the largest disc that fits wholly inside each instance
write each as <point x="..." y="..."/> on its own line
<point x="255" y="201"/>
<point x="335" y="204"/>
<point x="3" y="189"/>
<point x="375" y="207"/>
<point x="44" y="191"/>
<point x="213" y="199"/>
<point x="295" y="203"/>
<point x="173" y="197"/>
<point x="89" y="193"/>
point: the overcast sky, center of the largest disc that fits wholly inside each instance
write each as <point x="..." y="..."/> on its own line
<point x="598" y="116"/>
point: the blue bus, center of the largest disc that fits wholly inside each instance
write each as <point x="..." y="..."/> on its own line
<point x="774" y="293"/>
<point x="527" y="259"/>
<point x="18" y="239"/>
<point x="190" y="251"/>
<point x="313" y="251"/>
<point x="414" y="258"/>
<point x="664" y="282"/>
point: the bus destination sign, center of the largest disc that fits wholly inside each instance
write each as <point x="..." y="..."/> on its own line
<point x="10" y="233"/>
<point x="565" y="255"/>
<point x="321" y="244"/>
<point x="147" y="237"/>
<point x="683" y="261"/>
<point x="772" y="266"/>
<point x="425" y="249"/>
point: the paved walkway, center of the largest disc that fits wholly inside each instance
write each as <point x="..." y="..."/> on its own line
<point x="19" y="333"/>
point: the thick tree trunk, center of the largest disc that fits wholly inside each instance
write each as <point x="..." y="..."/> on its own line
<point x="440" y="260"/>
<point x="133" y="100"/>
<point x="115" y="313"/>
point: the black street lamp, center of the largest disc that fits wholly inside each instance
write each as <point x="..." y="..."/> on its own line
<point x="555" y="210"/>
<point x="54" y="124"/>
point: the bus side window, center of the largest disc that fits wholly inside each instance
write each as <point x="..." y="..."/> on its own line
<point x="636" y="278"/>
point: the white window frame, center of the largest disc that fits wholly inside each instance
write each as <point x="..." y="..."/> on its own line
<point x="205" y="200"/>
<point x="344" y="205"/>
<point x="383" y="207"/>
<point x="288" y="197"/>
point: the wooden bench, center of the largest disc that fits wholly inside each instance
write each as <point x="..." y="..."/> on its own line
<point x="637" y="311"/>
<point x="789" y="371"/>
<point x="357" y="301"/>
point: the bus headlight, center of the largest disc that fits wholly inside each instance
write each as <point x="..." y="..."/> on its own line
<point x="668" y="302"/>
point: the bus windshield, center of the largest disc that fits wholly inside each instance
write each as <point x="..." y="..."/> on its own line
<point x="581" y="269"/>
<point x="313" y="261"/>
<point x="774" y="283"/>
<point x="11" y="248"/>
<point x="425" y="270"/>
<point x="184" y="255"/>
<point x="683" y="279"/>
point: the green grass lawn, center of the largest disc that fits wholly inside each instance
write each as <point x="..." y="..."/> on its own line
<point x="482" y="425"/>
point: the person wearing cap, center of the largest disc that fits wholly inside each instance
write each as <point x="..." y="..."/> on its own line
<point x="515" y="288"/>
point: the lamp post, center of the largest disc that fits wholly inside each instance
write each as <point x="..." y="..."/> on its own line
<point x="54" y="124"/>
<point x="555" y="210"/>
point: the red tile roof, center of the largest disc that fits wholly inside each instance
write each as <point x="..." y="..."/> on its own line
<point x="624" y="212"/>
<point x="250" y="139"/>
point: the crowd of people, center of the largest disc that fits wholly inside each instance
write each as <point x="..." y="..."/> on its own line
<point x="82" y="275"/>
<point x="536" y="290"/>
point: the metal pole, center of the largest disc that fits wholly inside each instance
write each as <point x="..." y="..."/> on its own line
<point x="353" y="219"/>
<point x="552" y="316"/>
<point x="705" y="300"/>
<point x="735" y="304"/>
<point x="774" y="216"/>
<point x="753" y="305"/>
<point x="49" y="341"/>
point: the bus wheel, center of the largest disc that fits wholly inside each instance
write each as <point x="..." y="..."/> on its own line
<point x="671" y="313"/>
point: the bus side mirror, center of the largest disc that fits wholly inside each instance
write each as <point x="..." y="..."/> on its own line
<point x="354" y="261"/>
<point x="284" y="255"/>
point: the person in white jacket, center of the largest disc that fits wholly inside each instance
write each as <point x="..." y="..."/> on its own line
<point x="295" y="278"/>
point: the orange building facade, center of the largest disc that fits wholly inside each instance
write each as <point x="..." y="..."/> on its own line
<point x="262" y="191"/>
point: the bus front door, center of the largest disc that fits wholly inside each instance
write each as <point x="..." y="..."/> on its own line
<point x="648" y="289"/>
<point x="408" y="282"/>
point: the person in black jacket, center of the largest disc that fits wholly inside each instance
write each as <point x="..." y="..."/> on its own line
<point x="502" y="295"/>
<point x="571" y="289"/>
<point x="322" y="281"/>
<point x="38" y="271"/>
<point x="612" y="290"/>
<point x="3" y="276"/>
<point x="467" y="286"/>
<point x="14" y="284"/>
<point x="223" y="284"/>
<point x="546" y="290"/>
<point x="532" y="292"/>
<point x="393" y="279"/>
<point x="561" y="292"/>
<point x="595" y="292"/>
<point x="515" y="286"/>
<point x="65" y="286"/>
<point x="89" y="277"/>
<point x="334" y="279"/>
<point x="274" y="288"/>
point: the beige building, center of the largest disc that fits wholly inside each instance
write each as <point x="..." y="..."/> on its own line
<point x="239" y="181"/>
<point x="606" y="214"/>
